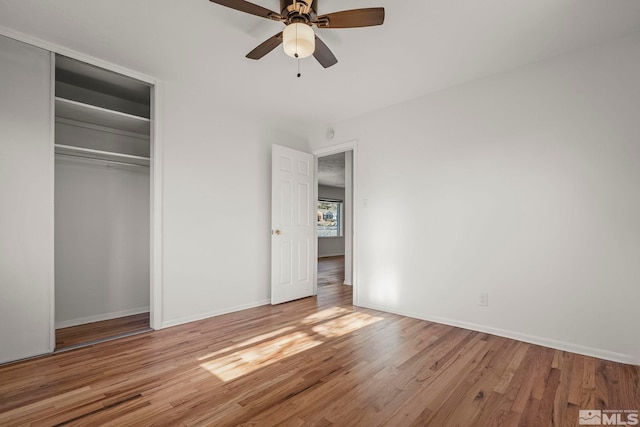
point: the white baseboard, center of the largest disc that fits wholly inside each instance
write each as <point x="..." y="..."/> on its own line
<point x="100" y="317"/>
<point x="531" y="339"/>
<point x="214" y="313"/>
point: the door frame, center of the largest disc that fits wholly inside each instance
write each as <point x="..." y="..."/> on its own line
<point x="155" y="172"/>
<point x="155" y="186"/>
<point x="326" y="151"/>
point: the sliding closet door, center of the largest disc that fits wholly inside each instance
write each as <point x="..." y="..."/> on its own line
<point x="26" y="201"/>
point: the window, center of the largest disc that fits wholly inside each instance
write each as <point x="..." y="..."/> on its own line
<point x="329" y="218"/>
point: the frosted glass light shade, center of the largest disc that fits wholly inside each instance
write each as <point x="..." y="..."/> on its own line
<point x="298" y="38"/>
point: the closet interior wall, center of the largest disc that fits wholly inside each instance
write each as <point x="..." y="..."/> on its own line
<point x="102" y="194"/>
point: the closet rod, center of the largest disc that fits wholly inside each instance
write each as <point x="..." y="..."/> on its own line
<point x="105" y="156"/>
<point x="100" y="152"/>
<point x="113" y="162"/>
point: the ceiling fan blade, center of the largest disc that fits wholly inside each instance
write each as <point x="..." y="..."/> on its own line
<point x="266" y="47"/>
<point x="352" y="18"/>
<point x="253" y="9"/>
<point x="323" y="54"/>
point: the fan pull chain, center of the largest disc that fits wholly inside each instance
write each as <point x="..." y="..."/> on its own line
<point x="297" y="56"/>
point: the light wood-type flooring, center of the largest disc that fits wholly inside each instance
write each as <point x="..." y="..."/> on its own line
<point x="75" y="335"/>
<point x="331" y="270"/>
<point x="316" y="361"/>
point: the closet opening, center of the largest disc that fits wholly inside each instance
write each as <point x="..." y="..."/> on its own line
<point x="102" y="204"/>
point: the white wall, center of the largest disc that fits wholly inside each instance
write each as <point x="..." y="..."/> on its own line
<point x="523" y="185"/>
<point x="331" y="246"/>
<point x="101" y="241"/>
<point x="216" y="207"/>
<point x="26" y="201"/>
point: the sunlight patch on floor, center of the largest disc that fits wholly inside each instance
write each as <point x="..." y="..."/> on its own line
<point x="263" y="350"/>
<point x="345" y="324"/>
<point x="247" y="343"/>
<point x="260" y="355"/>
<point x="328" y="313"/>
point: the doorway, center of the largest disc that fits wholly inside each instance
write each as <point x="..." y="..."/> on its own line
<point x="335" y="216"/>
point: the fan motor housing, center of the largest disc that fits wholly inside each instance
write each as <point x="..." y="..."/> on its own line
<point x="299" y="10"/>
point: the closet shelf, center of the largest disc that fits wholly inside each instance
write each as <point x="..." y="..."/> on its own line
<point x="88" y="153"/>
<point x="87" y="113"/>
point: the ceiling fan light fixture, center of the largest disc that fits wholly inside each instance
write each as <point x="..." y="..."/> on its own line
<point x="299" y="38"/>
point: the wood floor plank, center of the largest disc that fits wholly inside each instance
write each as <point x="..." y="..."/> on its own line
<point x="561" y="399"/>
<point x="317" y="361"/>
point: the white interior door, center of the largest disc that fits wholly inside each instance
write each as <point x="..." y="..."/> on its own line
<point x="293" y="249"/>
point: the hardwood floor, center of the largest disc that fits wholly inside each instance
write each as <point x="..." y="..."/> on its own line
<point x="331" y="270"/>
<point x="316" y="361"/>
<point x="69" y="337"/>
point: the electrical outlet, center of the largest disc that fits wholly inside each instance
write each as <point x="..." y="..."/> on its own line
<point x="484" y="299"/>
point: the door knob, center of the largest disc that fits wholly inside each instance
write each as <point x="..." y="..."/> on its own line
<point x="278" y="232"/>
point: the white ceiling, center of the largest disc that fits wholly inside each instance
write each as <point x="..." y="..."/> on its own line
<point x="331" y="170"/>
<point x="424" y="46"/>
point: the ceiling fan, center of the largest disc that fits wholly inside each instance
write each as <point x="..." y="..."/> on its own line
<point x="298" y="37"/>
